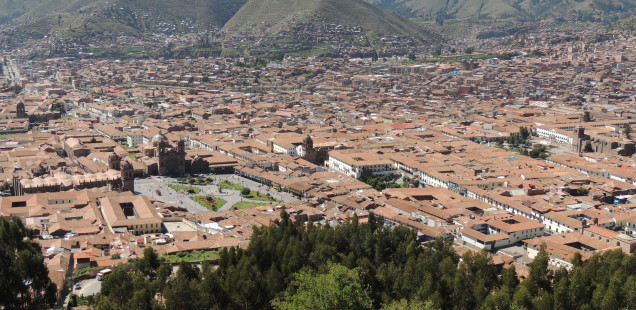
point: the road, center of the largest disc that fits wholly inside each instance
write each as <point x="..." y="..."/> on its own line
<point x="89" y="287"/>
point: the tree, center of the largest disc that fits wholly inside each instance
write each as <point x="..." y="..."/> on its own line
<point x="184" y="291"/>
<point x="24" y="280"/>
<point x="524" y="133"/>
<point x="539" y="276"/>
<point x="245" y="192"/>
<point x="588" y="148"/>
<point x="627" y="130"/>
<point x="339" y="288"/>
<point x="149" y="264"/>
<point x="404" y="304"/>
<point x="118" y="288"/>
<point x="581" y="191"/>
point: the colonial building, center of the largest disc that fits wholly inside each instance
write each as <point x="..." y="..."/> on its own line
<point x="119" y="177"/>
<point x="615" y="145"/>
<point x="166" y="159"/>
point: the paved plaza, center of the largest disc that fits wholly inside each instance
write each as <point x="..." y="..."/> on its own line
<point x="157" y="187"/>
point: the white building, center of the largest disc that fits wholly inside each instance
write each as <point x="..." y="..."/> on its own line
<point x="352" y="164"/>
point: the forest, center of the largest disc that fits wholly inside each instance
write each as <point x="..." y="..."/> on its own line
<point x="293" y="265"/>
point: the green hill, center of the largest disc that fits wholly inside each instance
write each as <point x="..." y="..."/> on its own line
<point x="46" y="16"/>
<point x="524" y="10"/>
<point x="13" y="9"/>
<point x="272" y="16"/>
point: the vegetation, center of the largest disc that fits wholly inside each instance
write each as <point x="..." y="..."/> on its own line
<point x="253" y="195"/>
<point x="581" y="191"/>
<point x="231" y="185"/>
<point x="247" y="205"/>
<point x="72" y="17"/>
<point x="290" y="265"/>
<point x="310" y="289"/>
<point x="185" y="189"/>
<point x="75" y="300"/>
<point x="194" y="256"/>
<point x="245" y="192"/>
<point x="195" y="181"/>
<point x="522" y="10"/>
<point x="588" y="148"/>
<point x="210" y="202"/>
<point x="453" y="58"/>
<point x="25" y="282"/>
<point x="82" y="271"/>
<point x="59" y="106"/>
<point x="273" y="16"/>
<point x="520" y="143"/>
<point x="379" y="182"/>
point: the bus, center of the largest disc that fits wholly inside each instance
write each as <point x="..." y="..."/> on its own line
<point x="102" y="273"/>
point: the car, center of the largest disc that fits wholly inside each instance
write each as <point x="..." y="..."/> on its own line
<point x="78" y="286"/>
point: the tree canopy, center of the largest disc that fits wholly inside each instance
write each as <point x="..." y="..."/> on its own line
<point x="292" y="265"/>
<point x="24" y="279"/>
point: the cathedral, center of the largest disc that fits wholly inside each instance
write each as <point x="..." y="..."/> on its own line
<point x="169" y="160"/>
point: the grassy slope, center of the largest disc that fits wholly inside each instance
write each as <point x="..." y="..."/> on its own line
<point x="271" y="15"/>
<point x="36" y="12"/>
<point x="519" y="9"/>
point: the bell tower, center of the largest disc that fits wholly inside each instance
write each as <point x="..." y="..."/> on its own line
<point x="127" y="177"/>
<point x="114" y="161"/>
<point x="20" y="111"/>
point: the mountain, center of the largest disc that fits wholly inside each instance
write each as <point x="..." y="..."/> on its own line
<point x="523" y="10"/>
<point x="13" y="9"/>
<point x="46" y="16"/>
<point x="274" y="16"/>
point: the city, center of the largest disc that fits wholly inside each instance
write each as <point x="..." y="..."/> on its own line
<point x="512" y="154"/>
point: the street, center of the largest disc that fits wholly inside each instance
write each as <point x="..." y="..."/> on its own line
<point x="89" y="287"/>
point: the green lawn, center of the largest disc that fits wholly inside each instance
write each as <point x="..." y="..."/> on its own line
<point x="259" y="196"/>
<point x="194" y="256"/>
<point x="185" y="189"/>
<point x="211" y="205"/>
<point x="247" y="204"/>
<point x="3" y="136"/>
<point x="231" y="185"/>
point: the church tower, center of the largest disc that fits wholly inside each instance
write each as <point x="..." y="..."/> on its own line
<point x="20" y="111"/>
<point x="114" y="161"/>
<point x="308" y="144"/>
<point x="127" y="177"/>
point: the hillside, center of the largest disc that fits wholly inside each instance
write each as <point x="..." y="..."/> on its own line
<point x="46" y="16"/>
<point x="13" y="9"/>
<point x="273" y="16"/>
<point x="523" y="10"/>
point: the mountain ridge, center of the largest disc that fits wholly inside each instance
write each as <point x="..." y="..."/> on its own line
<point x="270" y="16"/>
<point x="522" y="10"/>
